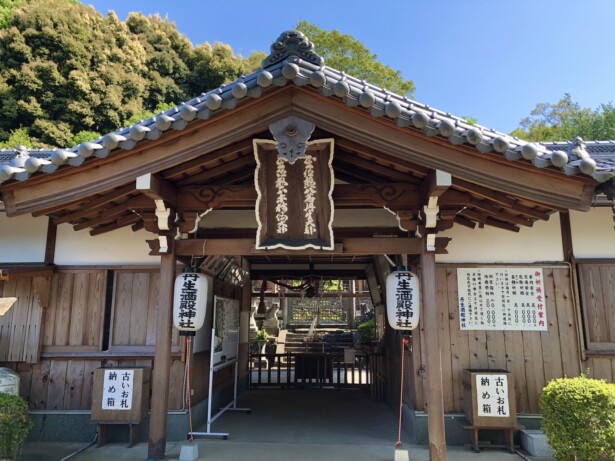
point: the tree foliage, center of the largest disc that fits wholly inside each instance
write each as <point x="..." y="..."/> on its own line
<point x="565" y="120"/>
<point x="67" y="71"/>
<point x="346" y="53"/>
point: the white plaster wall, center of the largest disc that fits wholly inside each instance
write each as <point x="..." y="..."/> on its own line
<point x="593" y="235"/>
<point x="121" y="246"/>
<point x="542" y="242"/>
<point x="22" y="239"/>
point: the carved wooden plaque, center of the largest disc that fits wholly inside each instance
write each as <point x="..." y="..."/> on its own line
<point x="294" y="208"/>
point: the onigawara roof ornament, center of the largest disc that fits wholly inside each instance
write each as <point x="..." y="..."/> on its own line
<point x="292" y="43"/>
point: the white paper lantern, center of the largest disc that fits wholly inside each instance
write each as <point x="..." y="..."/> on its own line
<point x="403" y="299"/>
<point x="190" y="302"/>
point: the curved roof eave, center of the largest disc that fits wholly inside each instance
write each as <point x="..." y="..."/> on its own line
<point x="293" y="60"/>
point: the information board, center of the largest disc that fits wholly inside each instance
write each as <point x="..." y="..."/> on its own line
<point x="501" y="299"/>
<point x="226" y="329"/>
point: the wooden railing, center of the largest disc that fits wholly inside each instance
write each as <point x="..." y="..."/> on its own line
<point x="339" y="369"/>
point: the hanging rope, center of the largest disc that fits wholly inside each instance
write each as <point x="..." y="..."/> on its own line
<point x="189" y="391"/>
<point x="404" y="342"/>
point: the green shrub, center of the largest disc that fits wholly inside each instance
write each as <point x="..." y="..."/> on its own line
<point x="367" y="331"/>
<point x="14" y="425"/>
<point x="579" y="418"/>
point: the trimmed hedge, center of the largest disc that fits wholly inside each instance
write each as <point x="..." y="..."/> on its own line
<point x="579" y="418"/>
<point x="15" y="425"/>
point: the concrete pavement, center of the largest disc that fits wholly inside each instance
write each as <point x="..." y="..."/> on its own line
<point x="292" y="424"/>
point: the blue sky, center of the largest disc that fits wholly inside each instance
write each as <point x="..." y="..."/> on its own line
<point x="488" y="59"/>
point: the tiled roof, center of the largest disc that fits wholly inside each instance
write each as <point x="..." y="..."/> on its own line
<point x="293" y="59"/>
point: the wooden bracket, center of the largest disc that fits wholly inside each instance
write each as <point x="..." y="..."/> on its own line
<point x="164" y="196"/>
<point x="435" y="184"/>
<point x="407" y="220"/>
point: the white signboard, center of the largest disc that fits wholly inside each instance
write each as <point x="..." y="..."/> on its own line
<point x="226" y="329"/>
<point x="501" y="299"/>
<point x="492" y="395"/>
<point x="117" y="389"/>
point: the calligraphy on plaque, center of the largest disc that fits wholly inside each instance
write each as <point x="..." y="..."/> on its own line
<point x="492" y="395"/>
<point x="117" y="389"/>
<point x="294" y="206"/>
<point x="503" y="298"/>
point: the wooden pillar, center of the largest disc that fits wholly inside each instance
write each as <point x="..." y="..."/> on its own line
<point x="162" y="356"/>
<point x="435" y="398"/>
<point x="564" y="222"/>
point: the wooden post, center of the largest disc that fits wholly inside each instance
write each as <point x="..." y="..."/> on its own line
<point x="564" y="222"/>
<point x="435" y="398"/>
<point x="162" y="356"/>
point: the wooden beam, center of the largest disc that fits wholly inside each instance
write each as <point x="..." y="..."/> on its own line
<point x="93" y="206"/>
<point x="246" y="247"/>
<point x="500" y="214"/>
<point x="21" y="271"/>
<point x="383" y="158"/>
<point x="434" y="185"/>
<point x="138" y="226"/>
<point x="119" y="223"/>
<point x="501" y="225"/>
<point x="488" y="221"/>
<point x="498" y="198"/>
<point x="182" y="170"/>
<point x="387" y="171"/>
<point x="354" y="174"/>
<point x="220" y="170"/>
<point x="102" y="218"/>
<point x="200" y="198"/>
<point x="346" y="246"/>
<point x="162" y="357"/>
<point x="435" y="390"/>
<point x="465" y="222"/>
<point x="157" y="188"/>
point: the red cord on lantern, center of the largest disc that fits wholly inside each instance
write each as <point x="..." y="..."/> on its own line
<point x="404" y="342"/>
<point x="189" y="391"/>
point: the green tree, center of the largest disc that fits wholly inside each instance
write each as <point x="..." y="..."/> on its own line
<point x="68" y="72"/>
<point x="346" y="53"/>
<point x="565" y="120"/>
<point x="65" y="68"/>
<point x="213" y="65"/>
<point x="6" y="9"/>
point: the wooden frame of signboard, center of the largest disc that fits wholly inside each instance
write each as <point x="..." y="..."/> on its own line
<point x="230" y="306"/>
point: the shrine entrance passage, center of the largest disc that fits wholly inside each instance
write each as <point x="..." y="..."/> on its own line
<point x="320" y="325"/>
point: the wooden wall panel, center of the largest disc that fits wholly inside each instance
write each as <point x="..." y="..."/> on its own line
<point x="598" y="299"/>
<point x="9" y="289"/>
<point x="601" y="368"/>
<point x="134" y="310"/>
<point x="460" y="349"/>
<point x="121" y="308"/>
<point x="533" y="358"/>
<point x="20" y="326"/>
<point x="76" y="310"/>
